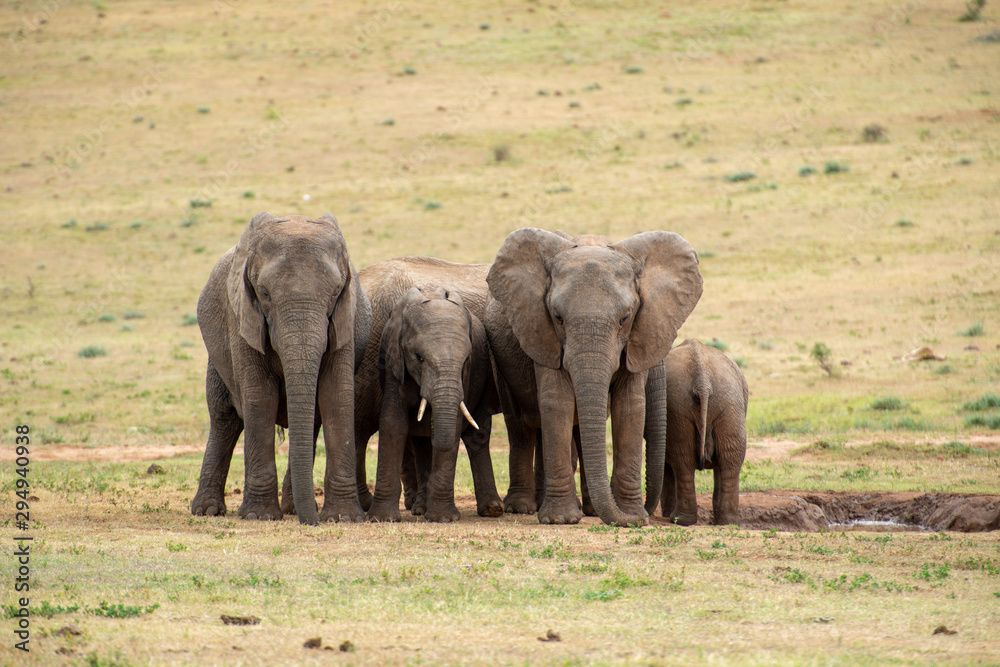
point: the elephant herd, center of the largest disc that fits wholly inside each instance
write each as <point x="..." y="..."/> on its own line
<point x="557" y="334"/>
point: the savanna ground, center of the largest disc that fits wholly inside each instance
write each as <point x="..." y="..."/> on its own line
<point x="836" y="166"/>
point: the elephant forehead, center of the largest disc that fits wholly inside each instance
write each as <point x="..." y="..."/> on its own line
<point x="438" y="311"/>
<point x="593" y="264"/>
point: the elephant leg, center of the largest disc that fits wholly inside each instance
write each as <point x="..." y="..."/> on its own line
<point x="540" y="470"/>
<point x="729" y="453"/>
<point x="520" y="497"/>
<point x="422" y="461"/>
<point x="668" y="498"/>
<point x="336" y="403"/>
<point x="361" y="473"/>
<point x="681" y="457"/>
<point x="224" y="430"/>
<point x="477" y="445"/>
<point x="628" y="419"/>
<point x="441" y="487"/>
<point x="409" y="477"/>
<point x="391" y="442"/>
<point x="260" y="488"/>
<point x="557" y="402"/>
<point x="588" y="506"/>
<point x="287" y="501"/>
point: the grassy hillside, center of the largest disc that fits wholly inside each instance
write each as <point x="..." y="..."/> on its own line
<point x="836" y="167"/>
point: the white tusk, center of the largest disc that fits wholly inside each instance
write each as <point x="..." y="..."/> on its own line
<point x="420" y="410"/>
<point x="465" y="411"/>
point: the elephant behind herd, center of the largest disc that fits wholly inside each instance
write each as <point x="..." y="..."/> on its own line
<point x="558" y="334"/>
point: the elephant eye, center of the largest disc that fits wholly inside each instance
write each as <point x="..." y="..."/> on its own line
<point x="624" y="319"/>
<point x="420" y="357"/>
<point x="559" y="318"/>
<point x="262" y="292"/>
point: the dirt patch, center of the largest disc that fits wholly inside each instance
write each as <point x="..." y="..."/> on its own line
<point x="811" y="511"/>
<point x="122" y="453"/>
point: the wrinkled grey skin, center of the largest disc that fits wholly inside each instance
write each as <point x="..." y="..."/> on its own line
<point x="386" y="283"/>
<point x="707" y="398"/>
<point x="654" y="433"/>
<point x="432" y="348"/>
<point x="574" y="326"/>
<point x="282" y="316"/>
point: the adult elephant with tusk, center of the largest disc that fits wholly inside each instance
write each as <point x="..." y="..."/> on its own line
<point x="285" y="319"/>
<point x="433" y="352"/>
<point x="575" y="325"/>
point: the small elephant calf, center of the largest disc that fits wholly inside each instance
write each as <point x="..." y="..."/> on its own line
<point x="707" y="399"/>
<point x="436" y="376"/>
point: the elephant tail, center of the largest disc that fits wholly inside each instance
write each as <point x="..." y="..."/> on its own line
<point x="703" y="390"/>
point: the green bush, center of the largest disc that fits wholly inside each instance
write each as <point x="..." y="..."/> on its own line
<point x="739" y="176"/>
<point x="92" y="351"/>
<point x="984" y="402"/>
<point x="887" y="403"/>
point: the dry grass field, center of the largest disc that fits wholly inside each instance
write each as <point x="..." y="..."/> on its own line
<point x="837" y="166"/>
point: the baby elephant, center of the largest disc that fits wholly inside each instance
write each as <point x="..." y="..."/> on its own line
<point x="707" y="399"/>
<point x="435" y="370"/>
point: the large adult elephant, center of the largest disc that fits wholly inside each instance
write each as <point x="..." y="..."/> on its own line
<point x="386" y="283"/>
<point x="436" y="376"/>
<point x="284" y="318"/>
<point x="574" y="326"/>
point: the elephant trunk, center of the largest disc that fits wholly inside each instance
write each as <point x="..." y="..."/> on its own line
<point x="445" y="395"/>
<point x="591" y="383"/>
<point x="702" y="391"/>
<point x="300" y="359"/>
<point x="655" y="432"/>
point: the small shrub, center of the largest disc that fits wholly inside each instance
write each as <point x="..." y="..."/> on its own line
<point x="739" y="176"/>
<point x="984" y="402"/>
<point x="92" y="351"/>
<point x="683" y="101"/>
<point x="96" y="227"/>
<point x="409" y="70"/>
<point x="200" y="203"/>
<point x="203" y="110"/>
<point x="717" y="344"/>
<point x="989" y="421"/>
<point x="964" y="161"/>
<point x="501" y="153"/>
<point x="903" y="222"/>
<point x="972" y="10"/>
<point x="887" y="403"/>
<point x="389" y="122"/>
<point x="574" y="105"/>
<point x="822" y="354"/>
<point x="132" y="315"/>
<point x="835" y="168"/>
<point x="70" y="224"/>
<point x="189" y="320"/>
<point x="189" y="222"/>
<point x="106" y="317"/>
<point x="138" y="224"/>
<point x="944" y="369"/>
<point x="807" y="170"/>
<point x="249" y="194"/>
<point x="431" y="205"/>
<point x="707" y="254"/>
<point x="873" y="133"/>
<point x="634" y="69"/>
<point x="976" y="329"/>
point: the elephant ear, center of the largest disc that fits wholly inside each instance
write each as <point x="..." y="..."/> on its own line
<point x="342" y="320"/>
<point x="519" y="280"/>
<point x="670" y="286"/>
<point x="391" y="355"/>
<point x="242" y="298"/>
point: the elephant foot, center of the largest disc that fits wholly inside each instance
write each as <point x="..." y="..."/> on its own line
<point x="492" y="507"/>
<point x="445" y="513"/>
<point x="287" y="502"/>
<point x="726" y="520"/>
<point x="520" y="502"/>
<point x="342" y="511"/>
<point x="208" y="505"/>
<point x="588" y="508"/>
<point x="365" y="498"/>
<point x="260" y="510"/>
<point x="383" y="513"/>
<point x="682" y="520"/>
<point x="419" y="505"/>
<point x="565" y="512"/>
